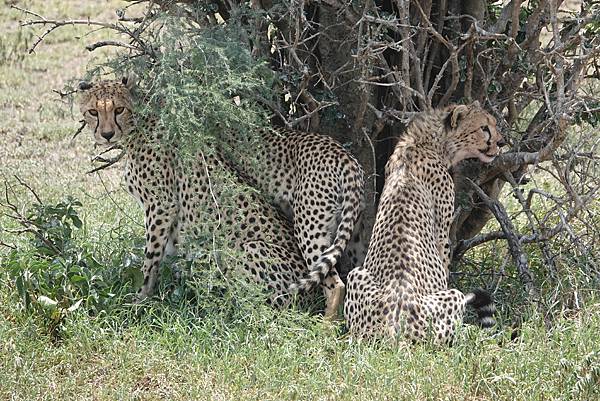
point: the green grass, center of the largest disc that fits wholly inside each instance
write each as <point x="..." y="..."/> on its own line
<point x="169" y="349"/>
<point x="168" y="354"/>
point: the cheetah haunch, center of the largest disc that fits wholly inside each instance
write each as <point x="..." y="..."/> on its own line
<point x="173" y="196"/>
<point x="276" y="253"/>
<point x="320" y="187"/>
<point x="402" y="287"/>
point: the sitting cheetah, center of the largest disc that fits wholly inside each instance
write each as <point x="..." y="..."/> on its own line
<point x="172" y="197"/>
<point x="320" y="186"/>
<point x="402" y="287"/>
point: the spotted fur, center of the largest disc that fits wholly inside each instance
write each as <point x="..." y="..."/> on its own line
<point x="173" y="197"/>
<point x="402" y="287"/>
<point x="320" y="185"/>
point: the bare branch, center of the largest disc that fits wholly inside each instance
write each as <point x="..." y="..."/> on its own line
<point x="114" y="43"/>
<point x="107" y="161"/>
<point x="512" y="238"/>
<point x="28" y="226"/>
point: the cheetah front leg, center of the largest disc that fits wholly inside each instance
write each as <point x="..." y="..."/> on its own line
<point x="161" y="236"/>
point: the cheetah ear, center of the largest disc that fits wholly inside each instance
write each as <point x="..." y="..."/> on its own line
<point x="129" y="80"/>
<point x="476" y="104"/>
<point x="456" y="113"/>
<point x="84" y="85"/>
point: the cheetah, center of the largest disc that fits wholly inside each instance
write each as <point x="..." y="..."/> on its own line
<point x="402" y="287"/>
<point x="319" y="185"/>
<point x="173" y="196"/>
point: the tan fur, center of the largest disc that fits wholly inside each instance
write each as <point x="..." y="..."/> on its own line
<point x="402" y="287"/>
<point x="175" y="198"/>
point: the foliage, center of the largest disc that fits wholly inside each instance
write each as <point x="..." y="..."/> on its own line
<point x="202" y="83"/>
<point x="56" y="275"/>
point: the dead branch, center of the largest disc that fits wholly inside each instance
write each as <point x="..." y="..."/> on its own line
<point x="512" y="238"/>
<point x="120" y="28"/>
<point x="80" y="129"/>
<point x="55" y="24"/>
<point x="107" y="162"/>
<point x="114" y="43"/>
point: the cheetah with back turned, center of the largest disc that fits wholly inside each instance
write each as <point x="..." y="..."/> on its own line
<point x="319" y="185"/>
<point x="402" y="287"/>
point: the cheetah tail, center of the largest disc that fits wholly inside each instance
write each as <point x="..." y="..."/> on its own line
<point x="318" y="272"/>
<point x="483" y="304"/>
<point x="352" y="196"/>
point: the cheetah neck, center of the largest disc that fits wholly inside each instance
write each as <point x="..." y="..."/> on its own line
<point x="427" y="139"/>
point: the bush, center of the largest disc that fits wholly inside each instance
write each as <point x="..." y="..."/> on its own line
<point x="55" y="274"/>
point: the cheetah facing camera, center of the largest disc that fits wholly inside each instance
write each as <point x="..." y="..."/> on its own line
<point x="402" y="287"/>
<point x="173" y="196"/>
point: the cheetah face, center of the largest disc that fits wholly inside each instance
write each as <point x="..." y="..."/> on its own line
<point x="473" y="134"/>
<point x="107" y="109"/>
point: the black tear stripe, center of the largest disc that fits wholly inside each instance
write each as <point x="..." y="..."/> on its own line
<point x="97" y="124"/>
<point x="116" y="123"/>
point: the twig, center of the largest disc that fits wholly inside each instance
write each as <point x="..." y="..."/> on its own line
<point x="64" y="94"/>
<point x="107" y="161"/>
<point x="322" y="105"/>
<point x="28" y="225"/>
<point x="512" y="239"/>
<point x="24" y="184"/>
<point x="83" y="124"/>
<point x="10" y="246"/>
<point x="117" y="205"/>
<point x="115" y="43"/>
<point x="217" y="207"/>
<point x="56" y="24"/>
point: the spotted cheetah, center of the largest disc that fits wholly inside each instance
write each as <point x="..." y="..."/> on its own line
<point x="173" y="197"/>
<point x="402" y="287"/>
<point x="320" y="186"/>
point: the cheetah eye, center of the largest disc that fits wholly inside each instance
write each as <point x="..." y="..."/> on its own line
<point x="119" y="110"/>
<point x="93" y="112"/>
<point x="488" y="133"/>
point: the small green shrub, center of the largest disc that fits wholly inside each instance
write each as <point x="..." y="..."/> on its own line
<point x="55" y="274"/>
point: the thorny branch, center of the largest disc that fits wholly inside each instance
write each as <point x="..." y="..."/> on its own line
<point x="107" y="162"/>
<point x="132" y="34"/>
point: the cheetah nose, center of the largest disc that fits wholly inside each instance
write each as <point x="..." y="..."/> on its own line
<point x="501" y="143"/>
<point x="108" y="135"/>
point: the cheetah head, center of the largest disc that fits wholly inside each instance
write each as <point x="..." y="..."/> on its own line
<point x="107" y="109"/>
<point x="472" y="133"/>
